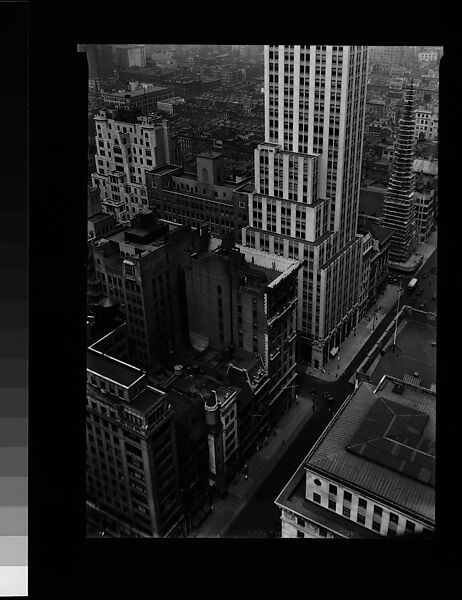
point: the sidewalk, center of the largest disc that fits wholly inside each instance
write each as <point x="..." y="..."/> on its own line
<point x="355" y="341"/>
<point x="260" y="464"/>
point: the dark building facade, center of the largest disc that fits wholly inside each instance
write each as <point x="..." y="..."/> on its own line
<point x="205" y="197"/>
<point x="140" y="267"/>
<point x="133" y="484"/>
<point x="247" y="301"/>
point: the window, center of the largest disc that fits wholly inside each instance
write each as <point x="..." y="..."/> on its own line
<point x="346" y="512"/>
<point x="394" y="518"/>
<point x="376" y="525"/>
<point x="301" y="521"/>
<point x="316" y="498"/>
<point x="362" y="503"/>
<point x="332" y="489"/>
<point x="410" y="527"/>
<point x="347" y="496"/>
<point x="323" y="532"/>
<point x="332" y="504"/>
<point x="300" y="534"/>
<point x="361" y="518"/>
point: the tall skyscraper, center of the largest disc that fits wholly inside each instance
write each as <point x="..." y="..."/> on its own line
<point x="307" y="181"/>
<point x="399" y="207"/>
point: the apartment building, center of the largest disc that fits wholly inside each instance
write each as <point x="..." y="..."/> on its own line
<point x="372" y="471"/>
<point x="307" y="179"/>
<point x="127" y="145"/>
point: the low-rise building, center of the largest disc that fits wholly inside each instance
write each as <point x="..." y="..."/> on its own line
<point x="372" y="471"/>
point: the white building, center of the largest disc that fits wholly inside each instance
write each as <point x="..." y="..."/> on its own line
<point x="124" y="151"/>
<point x="426" y="124"/>
<point x="428" y="56"/>
<point x="372" y="471"/>
<point x="307" y="180"/>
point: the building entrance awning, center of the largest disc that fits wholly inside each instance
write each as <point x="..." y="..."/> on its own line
<point x="334" y="351"/>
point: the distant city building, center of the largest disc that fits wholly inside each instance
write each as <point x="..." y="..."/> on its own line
<point x="167" y="106"/>
<point x="426" y="124"/>
<point x="399" y="205"/>
<point x="132" y="468"/>
<point x="372" y="471"/>
<point x="307" y="178"/>
<point x="129" y="55"/>
<point x="140" y="267"/>
<point x="127" y="146"/>
<point x="387" y="56"/>
<point x="139" y="97"/>
<point x="428" y="56"/>
<point x="203" y="198"/>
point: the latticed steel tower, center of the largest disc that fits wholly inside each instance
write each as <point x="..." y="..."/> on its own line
<point x="399" y="208"/>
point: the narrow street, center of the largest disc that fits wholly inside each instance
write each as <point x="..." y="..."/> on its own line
<point x="260" y="517"/>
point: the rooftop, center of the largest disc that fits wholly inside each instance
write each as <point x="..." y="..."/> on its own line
<point x="415" y="354"/>
<point x="378" y="232"/>
<point x="100" y="217"/>
<point x="376" y="443"/>
<point x="135" y="93"/>
<point x="209" y="154"/>
<point x="427" y="167"/>
<point x="371" y="203"/>
<point x="112" y="369"/>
